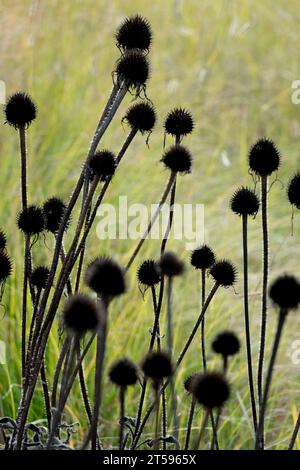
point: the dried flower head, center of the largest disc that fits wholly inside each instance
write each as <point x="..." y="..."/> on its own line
<point x="157" y="365"/>
<point x="39" y="277"/>
<point x="105" y="277"/>
<point x="20" y="110"/>
<point x="123" y="373"/>
<point x="133" y="69"/>
<point x="31" y="220"/>
<point x="211" y="390"/>
<point x="294" y="190"/>
<point x="134" y="33"/>
<point x="224" y="273"/>
<point x="5" y="266"/>
<point x="2" y="240"/>
<point x="81" y="314"/>
<point x="170" y="264"/>
<point x="179" y="122"/>
<point x="264" y="157"/>
<point x="149" y="273"/>
<point x="141" y="116"/>
<point x="285" y="292"/>
<point x="54" y="210"/>
<point x="226" y="344"/>
<point x="188" y="383"/>
<point x="203" y="257"/>
<point x="103" y="164"/>
<point x="244" y="202"/>
<point x="178" y="159"/>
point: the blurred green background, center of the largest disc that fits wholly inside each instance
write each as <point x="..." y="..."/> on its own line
<point x="231" y="63"/>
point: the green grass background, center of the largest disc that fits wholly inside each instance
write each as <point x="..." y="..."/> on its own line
<point x="231" y="63"/>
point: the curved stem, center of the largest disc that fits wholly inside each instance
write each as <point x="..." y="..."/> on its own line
<point x="190" y="422"/>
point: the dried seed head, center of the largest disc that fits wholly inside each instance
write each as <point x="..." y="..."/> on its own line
<point x="54" y="210"/>
<point x="226" y="343"/>
<point x="149" y="273"/>
<point x="178" y="159"/>
<point x="285" y="292"/>
<point x="141" y="116"/>
<point x="5" y="266"/>
<point x="171" y="265"/>
<point x="105" y="277"/>
<point x="133" y="69"/>
<point x="188" y="383"/>
<point x="211" y="390"/>
<point x="2" y="240"/>
<point x="179" y="122"/>
<point x="157" y="365"/>
<point x="224" y="273"/>
<point x="31" y="220"/>
<point x="264" y="157"/>
<point x="244" y="202"/>
<point x="81" y="314"/>
<point x="134" y="33"/>
<point x="20" y="110"/>
<point x="294" y="190"/>
<point x="103" y="164"/>
<point x="123" y="373"/>
<point x="203" y="257"/>
<point x="39" y="277"/>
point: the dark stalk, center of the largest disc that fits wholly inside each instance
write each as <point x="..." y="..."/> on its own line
<point x="122" y="415"/>
<point x="190" y="422"/>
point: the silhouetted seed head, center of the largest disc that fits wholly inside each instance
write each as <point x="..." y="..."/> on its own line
<point x="294" y="190"/>
<point x="133" y="69"/>
<point x="2" y="240"/>
<point x="134" y="33"/>
<point x="141" y="116"/>
<point x="81" y="314"/>
<point x="123" y="373"/>
<point x="226" y="343"/>
<point x="5" y="266"/>
<point x="211" y="390"/>
<point x="178" y="159"/>
<point x="179" y="122"/>
<point x="31" y="220"/>
<point x="285" y="292"/>
<point x="103" y="164"/>
<point x="188" y="383"/>
<point x="157" y="365"/>
<point x="20" y="110"/>
<point x="264" y="157"/>
<point x="171" y="265"/>
<point x="105" y="277"/>
<point x="54" y="210"/>
<point x="39" y="277"/>
<point x="224" y="273"/>
<point x="244" y="202"/>
<point x="202" y="258"/>
<point x="149" y="273"/>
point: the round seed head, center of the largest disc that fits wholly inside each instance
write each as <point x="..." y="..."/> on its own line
<point x="179" y="122"/>
<point x="134" y="33"/>
<point x="188" y="383"/>
<point x="123" y="373"/>
<point x="211" y="390"/>
<point x="224" y="273"/>
<point x="178" y="159"/>
<point x="103" y="164"/>
<point x="226" y="344"/>
<point x="203" y="257"/>
<point x="20" y="110"/>
<point x="294" y="190"/>
<point x="157" y="365"/>
<point x="81" y="314"/>
<point x="141" y="116"/>
<point x="264" y="157"/>
<point x="5" y="266"/>
<point x="105" y="277"/>
<point x="244" y="202"/>
<point x="133" y="69"/>
<point x="170" y="264"/>
<point x="149" y="273"/>
<point x="31" y="220"/>
<point x="39" y="277"/>
<point x="54" y="210"/>
<point x="2" y="240"/>
<point x="285" y="292"/>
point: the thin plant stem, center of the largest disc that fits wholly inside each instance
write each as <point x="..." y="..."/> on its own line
<point x="202" y="429"/>
<point x="156" y="433"/>
<point x="190" y="422"/>
<point x="24" y="303"/>
<point x="46" y="393"/>
<point x="295" y="433"/>
<point x="122" y="416"/>
<point x="58" y="369"/>
<point x="203" y="293"/>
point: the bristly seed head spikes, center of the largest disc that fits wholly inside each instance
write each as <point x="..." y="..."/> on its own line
<point x="123" y="373"/>
<point x="211" y="390"/>
<point x="81" y="314"/>
<point x="5" y="266"/>
<point x="105" y="277"/>
<point x="224" y="273"/>
<point x="264" y="157"/>
<point x="203" y="257"/>
<point x="157" y="365"/>
<point x="141" y="116"/>
<point x="285" y="292"/>
<point x="171" y="265"/>
<point x="133" y="69"/>
<point x="31" y="220"/>
<point x="20" y="110"/>
<point x="54" y="210"/>
<point x="134" y="33"/>
<point x="39" y="277"/>
<point x="103" y="164"/>
<point x="226" y="344"/>
<point x="188" y="383"/>
<point x="244" y="202"/>
<point x="179" y="123"/>
<point x="149" y="273"/>
<point x="2" y="240"/>
<point x="294" y="190"/>
<point x="178" y="159"/>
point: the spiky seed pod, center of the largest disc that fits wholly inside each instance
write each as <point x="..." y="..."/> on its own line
<point x="203" y="257"/>
<point x="31" y="220"/>
<point x="5" y="266"/>
<point x="224" y="273"/>
<point x="211" y="390"/>
<point x="81" y="314"/>
<point x="2" y="240"/>
<point x="103" y="164"/>
<point x="54" y="210"/>
<point x="293" y="191"/>
<point x="149" y="273"/>
<point x="39" y="277"/>
<point x="141" y="116"/>
<point x="105" y="277"/>
<point x="226" y="344"/>
<point x="123" y="373"/>
<point x="264" y="157"/>
<point x="157" y="365"/>
<point x="178" y="159"/>
<point x="285" y="292"/>
<point x="188" y="383"/>
<point x="20" y="110"/>
<point x="244" y="202"/>
<point x="171" y="265"/>
<point x="133" y="69"/>
<point x="134" y="33"/>
<point x="179" y="122"/>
